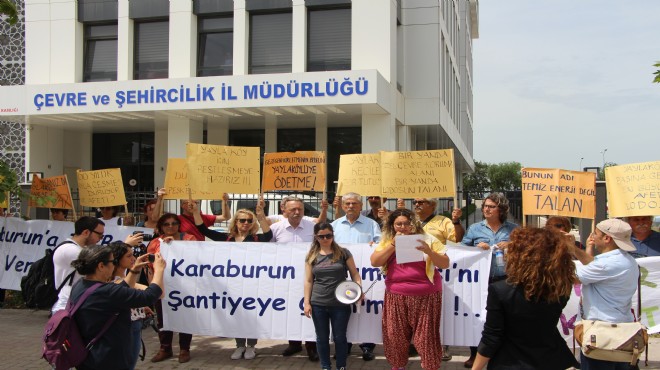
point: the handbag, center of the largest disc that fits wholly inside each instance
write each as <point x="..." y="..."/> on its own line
<point x="618" y="342"/>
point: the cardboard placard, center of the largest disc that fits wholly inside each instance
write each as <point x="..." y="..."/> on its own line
<point x="101" y="188"/>
<point x="218" y="169"/>
<point x="301" y="171"/>
<point x="418" y="174"/>
<point x="359" y="173"/>
<point x="176" y="181"/>
<point x="557" y="192"/>
<point x="56" y="186"/>
<point x="633" y="189"/>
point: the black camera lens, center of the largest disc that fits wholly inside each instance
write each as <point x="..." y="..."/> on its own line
<point x="152" y="258"/>
<point x="147" y="237"/>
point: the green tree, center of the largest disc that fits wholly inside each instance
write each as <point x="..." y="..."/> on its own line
<point x="601" y="172"/>
<point x="8" y="8"/>
<point x="657" y="73"/>
<point x="505" y="176"/>
<point x="477" y="182"/>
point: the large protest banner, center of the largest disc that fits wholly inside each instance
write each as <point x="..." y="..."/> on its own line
<point x="56" y="186"/>
<point x="218" y="169"/>
<point x="418" y="174"/>
<point x="302" y="171"/>
<point x="23" y="242"/>
<point x="359" y="173"/>
<point x="176" y="181"/>
<point x="633" y="189"/>
<point x="556" y="192"/>
<point x="101" y="188"/>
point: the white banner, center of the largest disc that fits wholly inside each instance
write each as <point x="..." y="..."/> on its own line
<point x="23" y="242"/>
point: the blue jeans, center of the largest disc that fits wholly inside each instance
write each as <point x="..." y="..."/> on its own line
<point x="337" y="317"/>
<point x="587" y="363"/>
<point x="136" y="342"/>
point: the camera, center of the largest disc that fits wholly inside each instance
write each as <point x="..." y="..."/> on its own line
<point x="152" y="258"/>
<point x="145" y="237"/>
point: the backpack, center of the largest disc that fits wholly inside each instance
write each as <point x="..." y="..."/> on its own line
<point x="63" y="346"/>
<point x="38" y="286"/>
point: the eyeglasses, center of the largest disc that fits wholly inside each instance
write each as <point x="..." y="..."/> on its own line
<point x="97" y="233"/>
<point x="351" y="204"/>
<point x="490" y="206"/>
<point x="114" y="262"/>
<point x="325" y="236"/>
<point x="244" y="220"/>
<point x="373" y="197"/>
<point x="420" y="201"/>
<point x="174" y="223"/>
<point x="403" y="224"/>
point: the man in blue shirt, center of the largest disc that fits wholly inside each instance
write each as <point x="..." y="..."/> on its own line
<point x="609" y="281"/>
<point x="356" y="228"/>
<point x="645" y="239"/>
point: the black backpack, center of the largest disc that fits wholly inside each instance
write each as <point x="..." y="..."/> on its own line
<point x="38" y="286"/>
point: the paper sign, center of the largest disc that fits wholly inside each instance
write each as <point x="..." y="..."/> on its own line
<point x="556" y="192"/>
<point x="57" y="187"/>
<point x="218" y="169"/>
<point x="176" y="181"/>
<point x="406" y="248"/>
<point x="359" y="173"/>
<point x="101" y="188"/>
<point x="294" y="171"/>
<point x="633" y="189"/>
<point x="5" y="203"/>
<point x="418" y="174"/>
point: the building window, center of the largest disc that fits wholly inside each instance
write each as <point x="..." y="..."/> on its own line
<point x="341" y="140"/>
<point x="133" y="152"/>
<point x="151" y="50"/>
<point x="329" y="39"/>
<point x="270" y="43"/>
<point x="216" y="46"/>
<point x="100" y="63"/>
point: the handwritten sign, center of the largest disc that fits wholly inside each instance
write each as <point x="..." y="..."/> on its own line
<point x="633" y="189"/>
<point x="176" y="181"/>
<point x="101" y="188"/>
<point x="423" y="174"/>
<point x="359" y="173"/>
<point x="294" y="171"/>
<point x="56" y="186"/>
<point x="556" y="192"/>
<point x="218" y="169"/>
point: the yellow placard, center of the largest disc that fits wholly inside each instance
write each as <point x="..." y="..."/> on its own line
<point x="57" y="187"/>
<point x="556" y="192"/>
<point x="176" y="181"/>
<point x="5" y="203"/>
<point x="633" y="189"/>
<point x="359" y="173"/>
<point x="218" y="169"/>
<point x="418" y="174"/>
<point x="301" y="171"/>
<point x="101" y="188"/>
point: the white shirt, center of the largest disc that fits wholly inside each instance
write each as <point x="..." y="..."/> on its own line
<point x="283" y="232"/>
<point x="62" y="259"/>
<point x="276" y="218"/>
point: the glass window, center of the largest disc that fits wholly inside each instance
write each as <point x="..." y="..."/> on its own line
<point x="296" y="139"/>
<point x="270" y="43"/>
<point x="329" y="39"/>
<point x="341" y="140"/>
<point x="100" y="54"/>
<point x="133" y="152"/>
<point x="216" y="46"/>
<point x="151" y="50"/>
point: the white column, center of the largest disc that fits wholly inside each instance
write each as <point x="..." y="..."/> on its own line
<point x="183" y="39"/>
<point x="217" y="130"/>
<point x="37" y="56"/>
<point x="45" y="149"/>
<point x="65" y="42"/>
<point x="271" y="134"/>
<point x="378" y="133"/>
<point x="181" y="131"/>
<point x="321" y="132"/>
<point x="299" y="39"/>
<point x="241" y="38"/>
<point x="160" y="149"/>
<point x="125" y="35"/>
<point x="368" y="51"/>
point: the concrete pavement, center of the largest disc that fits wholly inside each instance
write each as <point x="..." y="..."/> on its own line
<point x="21" y="344"/>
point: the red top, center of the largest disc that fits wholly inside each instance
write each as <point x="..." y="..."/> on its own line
<point x="188" y="225"/>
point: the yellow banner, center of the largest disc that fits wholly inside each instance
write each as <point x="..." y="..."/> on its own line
<point x="301" y="171"/>
<point x="218" y="169"/>
<point x="556" y="192"/>
<point x="633" y="189"/>
<point x="418" y="174"/>
<point x="101" y="188"/>
<point x="359" y="173"/>
<point x="57" y="187"/>
<point x="176" y="181"/>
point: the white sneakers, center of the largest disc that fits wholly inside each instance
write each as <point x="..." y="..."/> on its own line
<point x="248" y="353"/>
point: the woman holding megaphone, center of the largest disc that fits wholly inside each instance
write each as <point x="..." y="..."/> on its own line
<point x="325" y="269"/>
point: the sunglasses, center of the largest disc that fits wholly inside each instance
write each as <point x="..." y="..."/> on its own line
<point x="97" y="233"/>
<point x="244" y="220"/>
<point x="420" y="201"/>
<point x="559" y="226"/>
<point x="114" y="262"/>
<point x="167" y="224"/>
<point x="325" y="236"/>
<point x="373" y="197"/>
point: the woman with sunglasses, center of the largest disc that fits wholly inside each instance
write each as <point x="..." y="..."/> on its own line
<point x="242" y="228"/>
<point x="325" y="268"/>
<point x="413" y="293"/>
<point x="98" y="264"/>
<point x="168" y="230"/>
<point x="563" y="225"/>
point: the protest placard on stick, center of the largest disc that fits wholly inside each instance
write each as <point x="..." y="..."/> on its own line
<point x="301" y="171"/>
<point x="633" y="189"/>
<point x="101" y="188"/>
<point x="218" y="169"/>
<point x="359" y="173"/>
<point x="418" y="174"/>
<point x="176" y="181"/>
<point x="557" y="192"/>
<point x="56" y="187"/>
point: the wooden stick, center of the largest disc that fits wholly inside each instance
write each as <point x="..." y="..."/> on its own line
<point x="75" y="216"/>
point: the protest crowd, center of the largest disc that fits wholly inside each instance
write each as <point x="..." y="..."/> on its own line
<point x="533" y="271"/>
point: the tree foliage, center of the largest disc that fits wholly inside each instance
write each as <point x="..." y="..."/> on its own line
<point x="505" y="176"/>
<point x="8" y="8"/>
<point x="477" y="182"/>
<point x="601" y="172"/>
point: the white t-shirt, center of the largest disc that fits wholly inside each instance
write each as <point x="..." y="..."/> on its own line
<point x="113" y="221"/>
<point x="64" y="255"/>
<point x="276" y="218"/>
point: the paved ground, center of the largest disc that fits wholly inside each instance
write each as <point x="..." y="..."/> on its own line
<point x="21" y="344"/>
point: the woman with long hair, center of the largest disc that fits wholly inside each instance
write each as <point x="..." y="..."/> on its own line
<point x="523" y="311"/>
<point x="97" y="264"/>
<point x="168" y="230"/>
<point x="326" y="264"/>
<point x="148" y="210"/>
<point x="413" y="293"/>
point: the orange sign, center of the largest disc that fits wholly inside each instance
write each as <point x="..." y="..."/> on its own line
<point x="294" y="171"/>
<point x="57" y="187"/>
<point x="555" y="192"/>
